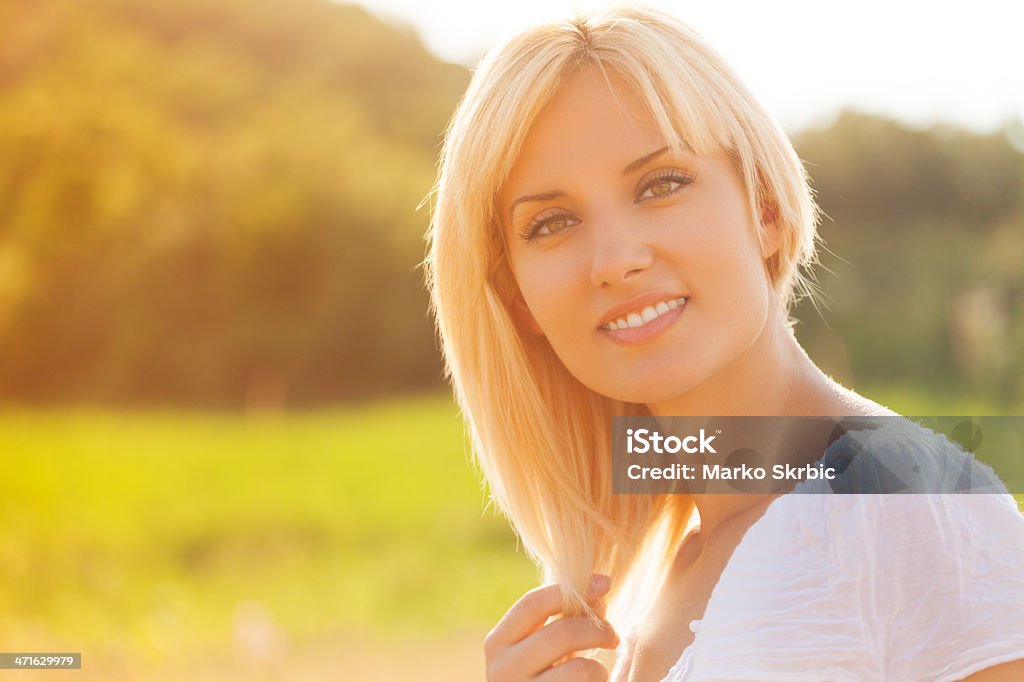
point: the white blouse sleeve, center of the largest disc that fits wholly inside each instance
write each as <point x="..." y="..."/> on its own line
<point x="948" y="574"/>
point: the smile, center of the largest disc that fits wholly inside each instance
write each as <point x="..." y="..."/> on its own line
<point x="644" y="316"/>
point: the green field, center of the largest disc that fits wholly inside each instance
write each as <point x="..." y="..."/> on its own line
<point x="212" y="545"/>
<point x="154" y="538"/>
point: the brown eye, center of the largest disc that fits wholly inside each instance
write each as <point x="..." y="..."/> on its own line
<point x="662" y="184"/>
<point x="662" y="187"/>
<point x="550" y="223"/>
<point x="554" y="225"/>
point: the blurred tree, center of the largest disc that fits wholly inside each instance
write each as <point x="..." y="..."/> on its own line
<point x="200" y="195"/>
<point x="916" y="218"/>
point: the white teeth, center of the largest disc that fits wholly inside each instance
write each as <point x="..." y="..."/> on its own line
<point x="646" y="315"/>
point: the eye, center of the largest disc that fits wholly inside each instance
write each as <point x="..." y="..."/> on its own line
<point x="663" y="183"/>
<point x="549" y="222"/>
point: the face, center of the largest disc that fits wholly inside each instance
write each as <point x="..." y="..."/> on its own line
<point x="641" y="266"/>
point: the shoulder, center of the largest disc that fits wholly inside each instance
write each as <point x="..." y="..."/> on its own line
<point x="940" y="555"/>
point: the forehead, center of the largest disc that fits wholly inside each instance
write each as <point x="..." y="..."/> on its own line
<point x="593" y="119"/>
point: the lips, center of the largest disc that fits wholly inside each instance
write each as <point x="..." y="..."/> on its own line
<point x="648" y="314"/>
<point x="640" y="310"/>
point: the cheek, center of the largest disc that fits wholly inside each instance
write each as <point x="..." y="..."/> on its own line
<point x="727" y="241"/>
<point x="547" y="292"/>
<point x="717" y="256"/>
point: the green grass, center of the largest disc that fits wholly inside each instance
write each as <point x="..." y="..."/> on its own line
<point x="142" y="533"/>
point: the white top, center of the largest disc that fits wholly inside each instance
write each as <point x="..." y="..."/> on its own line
<point x="868" y="586"/>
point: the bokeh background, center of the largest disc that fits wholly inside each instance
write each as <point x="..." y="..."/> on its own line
<point x="226" y="451"/>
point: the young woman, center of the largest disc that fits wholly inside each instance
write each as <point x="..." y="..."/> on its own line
<point x="620" y="229"/>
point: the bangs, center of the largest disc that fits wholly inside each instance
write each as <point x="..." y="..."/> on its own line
<point x="685" y="111"/>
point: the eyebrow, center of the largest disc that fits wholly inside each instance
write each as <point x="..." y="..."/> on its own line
<point x="642" y="160"/>
<point x="555" y="193"/>
<point x="543" y="196"/>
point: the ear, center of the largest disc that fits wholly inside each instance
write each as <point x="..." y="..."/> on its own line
<point x="771" y="235"/>
<point x="524" y="316"/>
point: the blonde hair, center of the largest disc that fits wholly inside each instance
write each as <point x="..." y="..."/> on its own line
<point x="541" y="438"/>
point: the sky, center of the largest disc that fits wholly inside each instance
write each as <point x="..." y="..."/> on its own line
<point x="920" y="62"/>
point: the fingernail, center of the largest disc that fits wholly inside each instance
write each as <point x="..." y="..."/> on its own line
<point x="600" y="583"/>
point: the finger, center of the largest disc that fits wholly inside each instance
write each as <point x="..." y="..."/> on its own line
<point x="534" y="608"/>
<point x="561" y="638"/>
<point x="575" y="670"/>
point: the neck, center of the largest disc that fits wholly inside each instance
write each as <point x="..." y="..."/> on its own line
<point x="763" y="380"/>
<point x="772" y="377"/>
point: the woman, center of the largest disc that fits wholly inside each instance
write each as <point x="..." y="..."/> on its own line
<point x="620" y="229"/>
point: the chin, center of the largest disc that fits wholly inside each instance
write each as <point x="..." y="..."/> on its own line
<point x="651" y="390"/>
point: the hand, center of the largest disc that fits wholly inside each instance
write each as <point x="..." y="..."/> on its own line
<point x="521" y="647"/>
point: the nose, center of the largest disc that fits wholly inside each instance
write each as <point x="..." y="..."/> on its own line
<point x="618" y="253"/>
